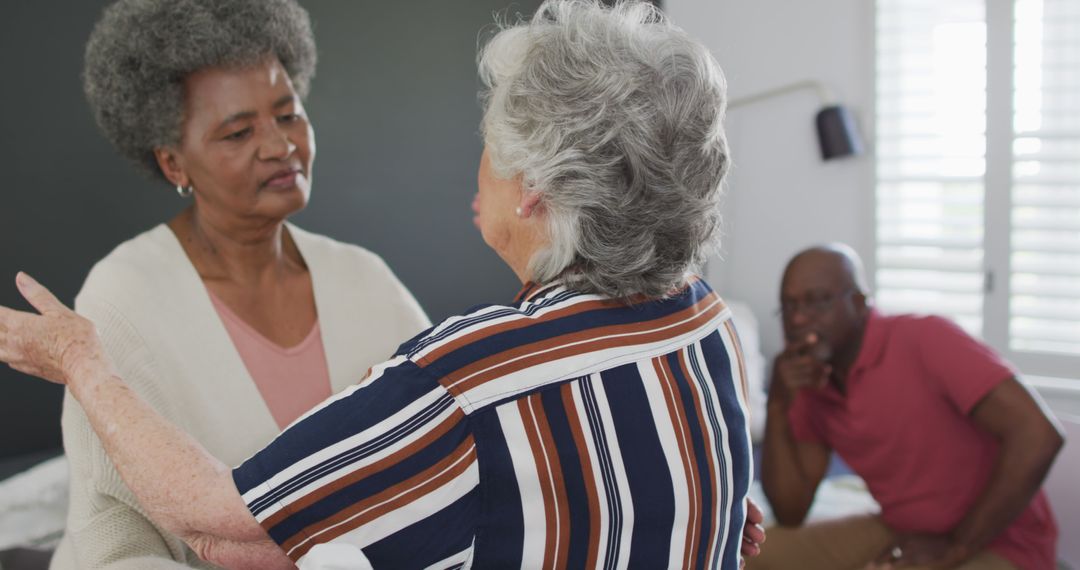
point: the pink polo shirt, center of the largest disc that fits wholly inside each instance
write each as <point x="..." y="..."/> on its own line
<point x="904" y="428"/>
<point x="290" y="380"/>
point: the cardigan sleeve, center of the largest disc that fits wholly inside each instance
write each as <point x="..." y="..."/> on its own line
<point x="106" y="528"/>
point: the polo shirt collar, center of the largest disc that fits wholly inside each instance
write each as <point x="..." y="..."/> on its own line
<point x="875" y="337"/>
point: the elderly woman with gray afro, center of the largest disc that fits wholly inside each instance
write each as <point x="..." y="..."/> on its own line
<point x="598" y="419"/>
<point x="227" y="319"/>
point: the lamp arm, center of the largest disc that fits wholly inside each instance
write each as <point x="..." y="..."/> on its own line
<point x="817" y="86"/>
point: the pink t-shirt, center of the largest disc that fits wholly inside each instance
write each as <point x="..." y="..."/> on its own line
<point x="904" y="428"/>
<point x="291" y="380"/>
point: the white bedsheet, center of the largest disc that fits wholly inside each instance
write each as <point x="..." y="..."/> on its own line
<point x="33" y="505"/>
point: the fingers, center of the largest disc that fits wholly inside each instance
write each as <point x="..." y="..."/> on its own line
<point x="753" y="513"/>
<point x="11" y="322"/>
<point x="754" y="533"/>
<point x="749" y="549"/>
<point x="801" y="346"/>
<point x="41" y="298"/>
<point x="802" y="371"/>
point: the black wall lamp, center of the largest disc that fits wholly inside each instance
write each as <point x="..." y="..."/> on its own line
<point x="836" y="131"/>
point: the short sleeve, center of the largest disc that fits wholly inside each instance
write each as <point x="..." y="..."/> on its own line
<point x="801" y="420"/>
<point x="376" y="467"/>
<point x="963" y="368"/>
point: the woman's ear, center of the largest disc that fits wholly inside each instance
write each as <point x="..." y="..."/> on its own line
<point x="530" y="203"/>
<point x="169" y="163"/>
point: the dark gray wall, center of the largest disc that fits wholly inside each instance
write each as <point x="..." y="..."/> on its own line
<point x="396" y="120"/>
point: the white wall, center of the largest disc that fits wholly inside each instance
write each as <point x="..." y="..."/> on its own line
<point x="781" y="196"/>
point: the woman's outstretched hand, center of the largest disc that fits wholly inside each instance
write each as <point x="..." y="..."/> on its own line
<point x="57" y="345"/>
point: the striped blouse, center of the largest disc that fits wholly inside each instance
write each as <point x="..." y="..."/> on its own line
<point x="564" y="430"/>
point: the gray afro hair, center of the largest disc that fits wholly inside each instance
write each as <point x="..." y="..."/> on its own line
<point x="141" y="50"/>
<point x="615" y="116"/>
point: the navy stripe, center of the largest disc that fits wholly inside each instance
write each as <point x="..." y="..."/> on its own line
<point x="720" y="367"/>
<point x="359" y="491"/>
<point x="722" y="458"/>
<point x="573" y="480"/>
<point x="612" y="314"/>
<point x="350" y="456"/>
<point x="337" y="421"/>
<point x="527" y="309"/>
<point x="646" y="467"/>
<point x="429" y="540"/>
<point x="607" y="472"/>
<point x="698" y="441"/>
<point x="500" y="532"/>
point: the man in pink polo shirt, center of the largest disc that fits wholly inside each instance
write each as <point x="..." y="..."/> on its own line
<point x="950" y="444"/>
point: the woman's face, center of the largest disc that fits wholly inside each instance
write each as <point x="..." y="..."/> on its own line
<point x="246" y="145"/>
<point x="494" y="207"/>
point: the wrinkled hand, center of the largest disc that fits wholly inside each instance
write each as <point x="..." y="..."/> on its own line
<point x="798" y="367"/>
<point x="55" y="345"/>
<point x="934" y="551"/>
<point x="753" y="532"/>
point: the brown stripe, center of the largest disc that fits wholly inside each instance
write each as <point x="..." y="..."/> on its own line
<point x="583" y="335"/>
<point x="519" y="358"/>
<point x="562" y="506"/>
<point x="366" y="471"/>
<point x="577" y="430"/>
<point x="529" y="420"/>
<point x="709" y="446"/>
<point x="739" y="358"/>
<point x="488" y="331"/>
<point x="390" y="499"/>
<point x="676" y="412"/>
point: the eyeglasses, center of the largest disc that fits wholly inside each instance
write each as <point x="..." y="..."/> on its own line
<point x="814" y="303"/>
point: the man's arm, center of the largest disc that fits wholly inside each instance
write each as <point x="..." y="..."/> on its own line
<point x="181" y="486"/>
<point x="791" y="470"/>
<point x="1029" y="442"/>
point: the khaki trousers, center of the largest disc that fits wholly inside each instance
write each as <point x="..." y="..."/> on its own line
<point x="843" y="544"/>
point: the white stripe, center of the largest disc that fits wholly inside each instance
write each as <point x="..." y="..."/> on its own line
<point x="730" y="342"/>
<point x="736" y="378"/>
<point x="533" y="424"/>
<point x="528" y="481"/>
<point x="408" y="514"/>
<point x="638" y="333"/>
<point x="622" y="483"/>
<point x="665" y="429"/>
<point x="364" y="437"/>
<point x="453" y="560"/>
<point x="592" y="456"/>
<point x="518" y="315"/>
<point x="376" y="371"/>
<point x="710" y="401"/>
<point x="554" y="371"/>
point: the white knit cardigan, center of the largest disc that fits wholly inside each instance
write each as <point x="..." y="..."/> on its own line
<point x="157" y="323"/>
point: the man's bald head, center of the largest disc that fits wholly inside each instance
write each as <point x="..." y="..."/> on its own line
<point x="835" y="261"/>
<point x="823" y="296"/>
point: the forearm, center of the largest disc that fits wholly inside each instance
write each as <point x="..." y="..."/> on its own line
<point x="789" y="489"/>
<point x="1022" y="463"/>
<point x="182" y="487"/>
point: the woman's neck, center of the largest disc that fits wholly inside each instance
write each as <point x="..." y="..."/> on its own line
<point x="245" y="255"/>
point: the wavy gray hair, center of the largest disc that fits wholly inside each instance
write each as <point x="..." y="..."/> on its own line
<point x="141" y="50"/>
<point x="615" y="116"/>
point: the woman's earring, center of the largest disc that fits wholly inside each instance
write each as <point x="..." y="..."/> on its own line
<point x="184" y="192"/>
<point x="518" y="211"/>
